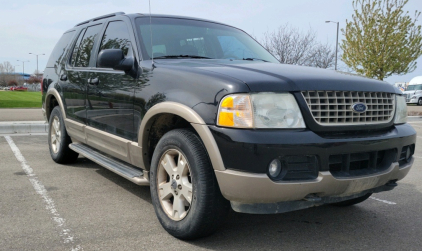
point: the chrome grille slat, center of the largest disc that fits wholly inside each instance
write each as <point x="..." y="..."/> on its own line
<point x="330" y="108"/>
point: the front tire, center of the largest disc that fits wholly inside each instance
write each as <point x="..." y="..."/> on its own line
<point x="420" y="101"/>
<point x="184" y="190"/>
<point x="59" y="140"/>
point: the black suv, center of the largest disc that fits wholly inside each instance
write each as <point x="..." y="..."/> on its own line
<point x="205" y="116"/>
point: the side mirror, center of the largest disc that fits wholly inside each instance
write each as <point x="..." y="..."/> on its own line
<point x="114" y="58"/>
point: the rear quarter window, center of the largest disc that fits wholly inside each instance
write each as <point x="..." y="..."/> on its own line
<point x="59" y="50"/>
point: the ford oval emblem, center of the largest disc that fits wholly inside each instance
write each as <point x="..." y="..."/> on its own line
<point x="359" y="107"/>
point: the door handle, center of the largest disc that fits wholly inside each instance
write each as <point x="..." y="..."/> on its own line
<point x="93" y="81"/>
<point x="63" y="77"/>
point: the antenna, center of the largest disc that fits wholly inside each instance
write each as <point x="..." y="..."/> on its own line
<point x="150" y="30"/>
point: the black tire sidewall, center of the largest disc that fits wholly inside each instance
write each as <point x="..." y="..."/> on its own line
<point x="198" y="170"/>
<point x="64" y="154"/>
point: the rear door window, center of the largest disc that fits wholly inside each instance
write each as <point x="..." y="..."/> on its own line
<point x="85" y="48"/>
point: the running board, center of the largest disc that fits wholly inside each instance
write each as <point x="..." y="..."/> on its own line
<point x="117" y="166"/>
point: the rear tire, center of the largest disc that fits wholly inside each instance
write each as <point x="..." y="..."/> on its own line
<point x="184" y="190"/>
<point x="59" y="140"/>
<point x="352" y="202"/>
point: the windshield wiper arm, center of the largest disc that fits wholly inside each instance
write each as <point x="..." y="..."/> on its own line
<point x="182" y="56"/>
<point x="253" y="59"/>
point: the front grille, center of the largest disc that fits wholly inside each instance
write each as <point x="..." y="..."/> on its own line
<point x="360" y="164"/>
<point x="408" y="96"/>
<point x="333" y="108"/>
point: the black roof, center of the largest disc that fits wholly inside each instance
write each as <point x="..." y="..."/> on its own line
<point x="134" y="15"/>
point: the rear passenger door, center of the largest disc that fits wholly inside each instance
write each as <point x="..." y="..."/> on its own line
<point x="76" y="73"/>
<point x="111" y="92"/>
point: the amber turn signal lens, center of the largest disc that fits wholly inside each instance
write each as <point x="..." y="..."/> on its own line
<point x="235" y="111"/>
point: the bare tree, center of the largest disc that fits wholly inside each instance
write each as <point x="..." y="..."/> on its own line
<point x="322" y="56"/>
<point x="292" y="46"/>
<point x="33" y="80"/>
<point x="6" y="72"/>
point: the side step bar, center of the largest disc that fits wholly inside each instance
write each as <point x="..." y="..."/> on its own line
<point x="119" y="167"/>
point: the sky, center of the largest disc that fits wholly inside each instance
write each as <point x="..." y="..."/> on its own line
<point x="28" y="26"/>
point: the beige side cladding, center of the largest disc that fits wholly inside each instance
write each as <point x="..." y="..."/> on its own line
<point x="132" y="152"/>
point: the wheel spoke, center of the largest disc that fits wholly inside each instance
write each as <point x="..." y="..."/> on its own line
<point x="187" y="192"/>
<point x="56" y="125"/>
<point x="168" y="164"/>
<point x="165" y="191"/>
<point x="53" y="139"/>
<point x="181" y="164"/>
<point x="178" y="207"/>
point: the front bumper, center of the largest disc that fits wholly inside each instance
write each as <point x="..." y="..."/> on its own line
<point x="247" y="188"/>
<point x="247" y="153"/>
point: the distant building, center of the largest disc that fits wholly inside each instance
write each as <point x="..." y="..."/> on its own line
<point x="25" y="76"/>
<point x="19" y="75"/>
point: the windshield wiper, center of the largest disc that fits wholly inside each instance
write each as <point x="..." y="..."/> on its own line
<point x="182" y="56"/>
<point x="253" y="59"/>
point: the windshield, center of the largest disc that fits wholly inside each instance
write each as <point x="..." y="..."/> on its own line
<point x="414" y="88"/>
<point x="172" y="37"/>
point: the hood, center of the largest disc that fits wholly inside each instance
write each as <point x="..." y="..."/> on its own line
<point x="412" y="92"/>
<point x="270" y="77"/>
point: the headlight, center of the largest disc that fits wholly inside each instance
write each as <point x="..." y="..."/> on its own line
<point x="413" y="97"/>
<point x="262" y="110"/>
<point x="401" y="110"/>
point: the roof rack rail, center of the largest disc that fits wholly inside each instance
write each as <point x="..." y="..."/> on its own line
<point x="100" y="17"/>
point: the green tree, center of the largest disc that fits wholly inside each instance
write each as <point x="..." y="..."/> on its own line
<point x="381" y="39"/>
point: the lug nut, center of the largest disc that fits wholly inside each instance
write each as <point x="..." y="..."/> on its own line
<point x="177" y="177"/>
<point x="175" y="192"/>
<point x="180" y="187"/>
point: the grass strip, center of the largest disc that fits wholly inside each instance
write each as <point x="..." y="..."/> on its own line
<point x="17" y="99"/>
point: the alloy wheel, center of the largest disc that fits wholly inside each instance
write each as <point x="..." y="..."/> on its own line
<point x="55" y="134"/>
<point x="174" y="184"/>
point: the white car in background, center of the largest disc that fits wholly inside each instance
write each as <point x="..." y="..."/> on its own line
<point x="414" y="91"/>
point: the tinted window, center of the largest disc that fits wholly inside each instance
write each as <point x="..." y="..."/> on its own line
<point x="116" y="36"/>
<point x="414" y="88"/>
<point x="76" y="48"/>
<point x="86" y="46"/>
<point x="175" y="36"/>
<point x="60" y="48"/>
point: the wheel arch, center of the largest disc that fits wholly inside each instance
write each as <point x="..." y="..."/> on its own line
<point x="166" y="110"/>
<point x="52" y="99"/>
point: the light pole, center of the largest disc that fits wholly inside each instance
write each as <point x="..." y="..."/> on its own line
<point x="37" y="60"/>
<point x="14" y="71"/>
<point x="336" y="41"/>
<point x="23" y="65"/>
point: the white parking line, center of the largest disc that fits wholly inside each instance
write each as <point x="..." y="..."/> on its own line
<point x="383" y="201"/>
<point x="65" y="233"/>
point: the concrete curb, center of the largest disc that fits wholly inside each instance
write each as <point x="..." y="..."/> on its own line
<point x="23" y="127"/>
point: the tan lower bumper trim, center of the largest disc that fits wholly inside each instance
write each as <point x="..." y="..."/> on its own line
<point x="258" y="188"/>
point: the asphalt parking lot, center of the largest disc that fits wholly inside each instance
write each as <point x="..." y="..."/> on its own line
<point x="46" y="206"/>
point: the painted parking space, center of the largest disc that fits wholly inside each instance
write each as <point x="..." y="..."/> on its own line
<point x="103" y="211"/>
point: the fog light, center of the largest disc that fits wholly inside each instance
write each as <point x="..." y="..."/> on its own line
<point x="408" y="154"/>
<point x="274" y="168"/>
